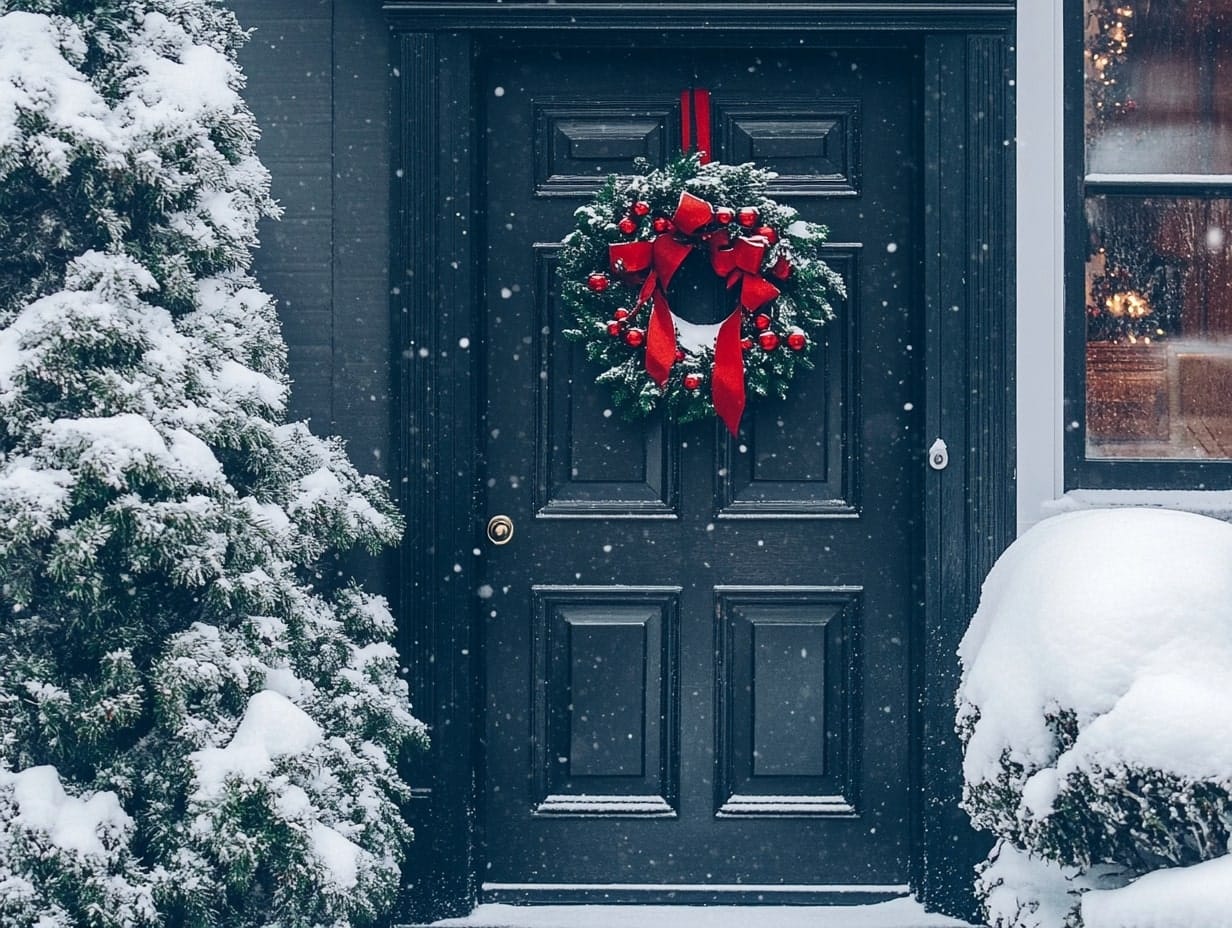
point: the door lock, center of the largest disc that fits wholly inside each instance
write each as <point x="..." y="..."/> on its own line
<point x="500" y="530"/>
<point x="938" y="455"/>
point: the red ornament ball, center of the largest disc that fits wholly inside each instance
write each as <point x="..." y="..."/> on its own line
<point x="768" y="234"/>
<point x="597" y="282"/>
<point x="641" y="208"/>
<point x="724" y="214"/>
<point x="621" y="313"/>
<point x="692" y="381"/>
<point x="747" y="343"/>
<point x="747" y="216"/>
<point x="762" y="321"/>
<point x="679" y="354"/>
<point x="613" y="328"/>
<point x="768" y="341"/>
<point x="627" y="226"/>
<point x="662" y="225"/>
<point x="635" y="337"/>
<point x="796" y="341"/>
<point x="782" y="268"/>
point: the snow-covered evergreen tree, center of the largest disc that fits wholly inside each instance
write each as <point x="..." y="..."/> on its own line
<point x="199" y="725"/>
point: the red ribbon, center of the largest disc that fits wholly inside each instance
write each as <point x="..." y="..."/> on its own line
<point x="695" y="121"/>
<point x="738" y="260"/>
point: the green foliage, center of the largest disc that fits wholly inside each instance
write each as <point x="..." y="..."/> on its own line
<point x="803" y="306"/>
<point x="164" y="531"/>
<point x="1119" y="820"/>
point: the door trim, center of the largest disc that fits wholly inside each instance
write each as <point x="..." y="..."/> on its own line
<point x="968" y="277"/>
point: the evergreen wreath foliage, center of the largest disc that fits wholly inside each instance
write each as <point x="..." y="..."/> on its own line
<point x="803" y="307"/>
<point x="201" y="720"/>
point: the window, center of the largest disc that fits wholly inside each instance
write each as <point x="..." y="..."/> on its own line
<point x="1149" y="243"/>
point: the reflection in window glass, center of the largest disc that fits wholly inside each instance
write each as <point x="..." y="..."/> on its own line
<point x="1158" y="86"/>
<point x="1159" y="328"/>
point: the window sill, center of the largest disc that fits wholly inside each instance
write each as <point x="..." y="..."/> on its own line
<point x="1214" y="503"/>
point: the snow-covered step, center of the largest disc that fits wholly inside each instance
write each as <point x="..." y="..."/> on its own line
<point x="897" y="913"/>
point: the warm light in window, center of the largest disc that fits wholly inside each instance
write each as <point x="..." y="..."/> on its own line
<point x="1128" y="303"/>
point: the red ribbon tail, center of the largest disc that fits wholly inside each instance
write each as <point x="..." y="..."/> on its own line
<point x="727" y="377"/>
<point x="661" y="342"/>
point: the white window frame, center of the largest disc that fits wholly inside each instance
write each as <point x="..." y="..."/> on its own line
<point x="1039" y="86"/>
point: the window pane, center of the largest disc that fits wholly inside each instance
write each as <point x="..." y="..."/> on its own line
<point x="1159" y="328"/>
<point x="1158" y="94"/>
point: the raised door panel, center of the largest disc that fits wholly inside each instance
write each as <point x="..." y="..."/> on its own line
<point x="578" y="144"/>
<point x="813" y="144"/>
<point x="605" y="701"/>
<point x="799" y="457"/>
<point x="590" y="462"/>
<point x="788" y="701"/>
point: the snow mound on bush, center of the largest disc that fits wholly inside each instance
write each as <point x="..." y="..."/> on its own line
<point x="1123" y="618"/>
<point x="71" y="823"/>
<point x="272" y="727"/>
<point x="1096" y="711"/>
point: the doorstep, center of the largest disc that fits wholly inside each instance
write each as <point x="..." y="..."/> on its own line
<point x="897" y="913"/>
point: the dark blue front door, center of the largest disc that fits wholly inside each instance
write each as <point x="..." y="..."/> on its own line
<point x="698" y="672"/>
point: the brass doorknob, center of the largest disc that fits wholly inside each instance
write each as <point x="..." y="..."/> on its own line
<point x="500" y="530"/>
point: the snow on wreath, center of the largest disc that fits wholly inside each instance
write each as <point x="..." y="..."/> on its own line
<point x="616" y="270"/>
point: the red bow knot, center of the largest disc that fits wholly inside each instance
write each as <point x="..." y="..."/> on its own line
<point x="738" y="260"/>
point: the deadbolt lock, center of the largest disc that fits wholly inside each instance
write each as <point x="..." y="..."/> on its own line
<point x="500" y="530"/>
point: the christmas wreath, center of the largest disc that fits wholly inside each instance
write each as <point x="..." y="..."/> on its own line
<point x="616" y="270"/>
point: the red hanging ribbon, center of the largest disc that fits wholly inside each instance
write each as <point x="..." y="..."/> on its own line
<point x="695" y="121"/>
<point x="738" y="260"/>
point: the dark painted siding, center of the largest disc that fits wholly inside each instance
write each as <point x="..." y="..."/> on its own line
<point x="317" y="82"/>
<point x="363" y="375"/>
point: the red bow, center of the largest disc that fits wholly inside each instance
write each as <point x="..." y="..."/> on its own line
<point x="738" y="260"/>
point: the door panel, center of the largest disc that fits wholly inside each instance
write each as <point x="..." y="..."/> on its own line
<point x="813" y="145"/>
<point x="800" y="465"/>
<point x="591" y="462"/>
<point x="788" y="691"/>
<point x="696" y="646"/>
<point x="606" y="700"/>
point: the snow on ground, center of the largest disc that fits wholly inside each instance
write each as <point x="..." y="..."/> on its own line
<point x="1184" y="897"/>
<point x="897" y="913"/>
<point x="1022" y="890"/>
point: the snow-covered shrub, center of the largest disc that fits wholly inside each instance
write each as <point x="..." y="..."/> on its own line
<point x="1096" y="711"/>
<point x="200" y="724"/>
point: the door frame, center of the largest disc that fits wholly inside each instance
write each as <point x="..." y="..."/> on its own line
<point x="436" y="240"/>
